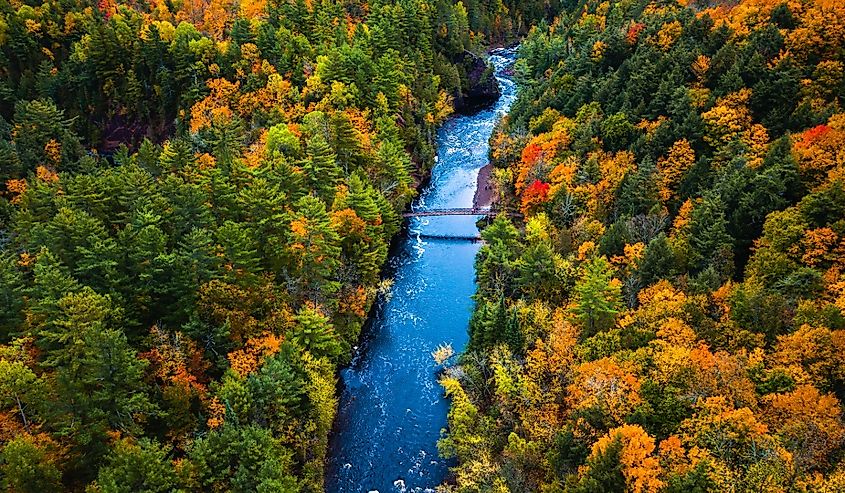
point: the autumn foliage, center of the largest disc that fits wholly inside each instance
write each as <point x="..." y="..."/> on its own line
<point x="669" y="315"/>
<point x="197" y="199"/>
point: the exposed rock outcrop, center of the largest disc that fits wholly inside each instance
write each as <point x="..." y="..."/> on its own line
<point x="480" y="89"/>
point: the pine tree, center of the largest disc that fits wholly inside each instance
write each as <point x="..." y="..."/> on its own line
<point x="220" y="193"/>
<point x="11" y="296"/>
<point x="314" y="248"/>
<point x="347" y="142"/>
<point x="243" y="458"/>
<point x="496" y="260"/>
<point x="597" y="297"/>
<point x="240" y="247"/>
<point x="604" y="473"/>
<point x="227" y="141"/>
<point x="51" y="282"/>
<point x="194" y="263"/>
<point x="98" y="375"/>
<point x="314" y="332"/>
<point x="321" y="169"/>
<point x="143" y="466"/>
<point x="495" y="323"/>
<point x="175" y="155"/>
<point x="37" y="123"/>
<point x="394" y="172"/>
<point x="711" y="244"/>
<point x="537" y="268"/>
<point x="278" y="389"/>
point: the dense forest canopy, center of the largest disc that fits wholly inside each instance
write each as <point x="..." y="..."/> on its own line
<point x="196" y="200"/>
<point x="670" y="316"/>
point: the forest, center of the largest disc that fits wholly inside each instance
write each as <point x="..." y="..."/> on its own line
<point x="198" y="197"/>
<point x="670" y="314"/>
<point x="196" y="201"/>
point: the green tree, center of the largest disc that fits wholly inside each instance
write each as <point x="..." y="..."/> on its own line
<point x="242" y="459"/>
<point x="604" y="472"/>
<point x="240" y="247"/>
<point x="697" y="480"/>
<point x="11" y="296"/>
<point x="538" y="272"/>
<point x="495" y="323"/>
<point x="227" y="140"/>
<point x="321" y="169"/>
<point x="28" y="467"/>
<point x="99" y="378"/>
<point x="658" y="261"/>
<point x="495" y="264"/>
<point x="711" y="244"/>
<point x="314" y="332"/>
<point x="175" y="155"/>
<point x="37" y="123"/>
<point x="597" y="297"/>
<point x="143" y="466"/>
<point x="278" y="390"/>
<point x="314" y="248"/>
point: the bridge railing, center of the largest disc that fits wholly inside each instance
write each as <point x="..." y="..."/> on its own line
<point x="457" y="211"/>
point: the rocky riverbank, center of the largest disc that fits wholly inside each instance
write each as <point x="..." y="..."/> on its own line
<point x="481" y="89"/>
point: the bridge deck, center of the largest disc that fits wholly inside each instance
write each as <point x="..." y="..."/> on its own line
<point x="425" y="236"/>
<point x="465" y="211"/>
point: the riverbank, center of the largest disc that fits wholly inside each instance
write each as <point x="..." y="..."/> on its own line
<point x="485" y="192"/>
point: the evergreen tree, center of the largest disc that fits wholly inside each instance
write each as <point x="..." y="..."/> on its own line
<point x="321" y="169"/>
<point x="241" y="459"/>
<point x="597" y="297"/>
<point x="604" y="473"/>
<point x="142" y="466"/>
<point x="11" y="297"/>
<point x="240" y="247"/>
<point x="278" y="390"/>
<point x="495" y="262"/>
<point x="314" y="248"/>
<point x="314" y="332"/>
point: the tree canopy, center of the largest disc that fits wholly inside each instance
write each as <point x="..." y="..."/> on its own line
<point x="681" y="321"/>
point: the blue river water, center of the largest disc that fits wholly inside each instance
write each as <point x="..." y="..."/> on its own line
<point x="392" y="409"/>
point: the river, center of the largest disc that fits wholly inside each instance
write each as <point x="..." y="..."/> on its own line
<point x="391" y="408"/>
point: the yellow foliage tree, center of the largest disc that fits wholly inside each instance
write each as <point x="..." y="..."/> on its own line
<point x="605" y="385"/>
<point x="673" y="167"/>
<point x="815" y="353"/>
<point x="247" y="359"/>
<point x="640" y="466"/>
<point x="729" y="118"/>
<point x="808" y="423"/>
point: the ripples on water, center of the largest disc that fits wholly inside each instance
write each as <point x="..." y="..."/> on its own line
<point x="392" y="408"/>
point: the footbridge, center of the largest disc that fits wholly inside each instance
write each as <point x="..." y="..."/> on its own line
<point x="458" y="211"/>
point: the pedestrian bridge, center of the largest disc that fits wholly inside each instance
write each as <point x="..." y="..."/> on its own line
<point x="465" y="211"/>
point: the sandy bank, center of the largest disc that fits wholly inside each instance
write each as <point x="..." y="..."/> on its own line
<point x="484" y="192"/>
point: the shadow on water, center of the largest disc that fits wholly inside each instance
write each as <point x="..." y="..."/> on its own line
<point x="391" y="407"/>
